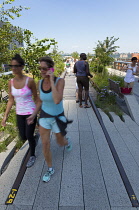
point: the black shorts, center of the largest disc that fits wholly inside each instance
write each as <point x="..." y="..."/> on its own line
<point x="83" y="81"/>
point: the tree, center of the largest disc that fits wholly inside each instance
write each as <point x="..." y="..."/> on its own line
<point x="75" y="55"/>
<point x="32" y="52"/>
<point x="9" y="33"/>
<point x="13" y="12"/>
<point x="12" y="34"/>
<point x="104" y="51"/>
<point x="58" y="59"/>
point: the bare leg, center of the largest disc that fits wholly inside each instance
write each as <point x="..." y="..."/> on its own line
<point x="45" y="137"/>
<point x="126" y="84"/>
<point x="131" y="84"/>
<point x="77" y="94"/>
<point x="86" y="96"/>
<point x="61" y="140"/>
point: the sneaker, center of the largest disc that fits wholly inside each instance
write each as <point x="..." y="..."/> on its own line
<point x="47" y="176"/>
<point x="69" y="145"/>
<point x="31" y="161"/>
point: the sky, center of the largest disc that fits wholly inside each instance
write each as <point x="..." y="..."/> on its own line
<point x="77" y="25"/>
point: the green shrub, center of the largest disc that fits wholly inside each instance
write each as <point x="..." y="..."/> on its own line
<point x="105" y="100"/>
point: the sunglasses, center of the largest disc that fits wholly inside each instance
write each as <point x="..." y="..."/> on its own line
<point x="43" y="68"/>
<point x="15" y="66"/>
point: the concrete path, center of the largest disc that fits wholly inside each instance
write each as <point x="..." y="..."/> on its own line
<point x="86" y="178"/>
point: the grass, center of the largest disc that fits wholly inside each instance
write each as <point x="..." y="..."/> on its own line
<point x="5" y="143"/>
<point x="108" y="104"/>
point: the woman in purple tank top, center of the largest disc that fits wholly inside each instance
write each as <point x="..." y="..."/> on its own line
<point x="21" y="89"/>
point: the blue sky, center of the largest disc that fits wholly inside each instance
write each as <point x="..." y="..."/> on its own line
<point x="77" y="25"/>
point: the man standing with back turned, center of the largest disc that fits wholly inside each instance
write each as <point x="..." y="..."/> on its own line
<point x="81" y="69"/>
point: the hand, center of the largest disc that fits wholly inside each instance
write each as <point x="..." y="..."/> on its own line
<point x="51" y="74"/>
<point x="3" y="123"/>
<point x="30" y="119"/>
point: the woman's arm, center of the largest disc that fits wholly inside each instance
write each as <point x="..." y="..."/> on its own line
<point x="57" y="91"/>
<point x="32" y="86"/>
<point x="31" y="118"/>
<point x="124" y="68"/>
<point x="9" y="105"/>
<point x="74" y="69"/>
<point x="88" y="70"/>
<point x="137" y="69"/>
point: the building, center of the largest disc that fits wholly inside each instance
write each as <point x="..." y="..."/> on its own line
<point x="13" y="43"/>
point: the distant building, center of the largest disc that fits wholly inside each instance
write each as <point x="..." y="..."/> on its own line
<point x="122" y="56"/>
<point x="14" y="41"/>
<point x="11" y="45"/>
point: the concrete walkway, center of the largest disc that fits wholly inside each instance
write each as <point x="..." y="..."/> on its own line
<point x="86" y="178"/>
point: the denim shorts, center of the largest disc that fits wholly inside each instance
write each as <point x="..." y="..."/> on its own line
<point x="50" y="123"/>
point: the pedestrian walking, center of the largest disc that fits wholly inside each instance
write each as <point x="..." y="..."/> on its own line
<point x="52" y="112"/>
<point x="21" y="89"/>
<point x="68" y="67"/>
<point x="81" y="69"/>
<point x="130" y="73"/>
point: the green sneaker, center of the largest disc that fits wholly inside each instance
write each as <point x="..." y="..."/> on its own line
<point x="47" y="176"/>
<point x="69" y="146"/>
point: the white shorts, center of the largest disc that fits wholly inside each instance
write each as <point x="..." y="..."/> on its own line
<point x="50" y="123"/>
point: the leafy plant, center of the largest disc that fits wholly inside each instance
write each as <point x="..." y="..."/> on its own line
<point x="105" y="100"/>
<point x="104" y="51"/>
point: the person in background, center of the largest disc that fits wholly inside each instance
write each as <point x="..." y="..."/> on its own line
<point x="68" y="67"/>
<point x="131" y="71"/>
<point x="81" y="69"/>
<point x="21" y="90"/>
<point x="137" y="69"/>
<point x="52" y="112"/>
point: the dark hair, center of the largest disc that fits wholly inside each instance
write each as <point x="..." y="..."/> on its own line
<point x="134" y="58"/>
<point x="48" y="60"/>
<point x="18" y="58"/>
<point x="83" y="56"/>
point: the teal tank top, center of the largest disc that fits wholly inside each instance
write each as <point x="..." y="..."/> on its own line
<point x="48" y="105"/>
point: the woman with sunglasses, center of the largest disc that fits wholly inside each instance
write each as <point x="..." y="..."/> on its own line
<point x="52" y="112"/>
<point x="21" y="89"/>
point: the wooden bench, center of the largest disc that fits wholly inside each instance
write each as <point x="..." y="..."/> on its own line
<point x="114" y="86"/>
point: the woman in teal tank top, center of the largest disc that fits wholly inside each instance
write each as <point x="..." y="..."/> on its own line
<point x="52" y="112"/>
